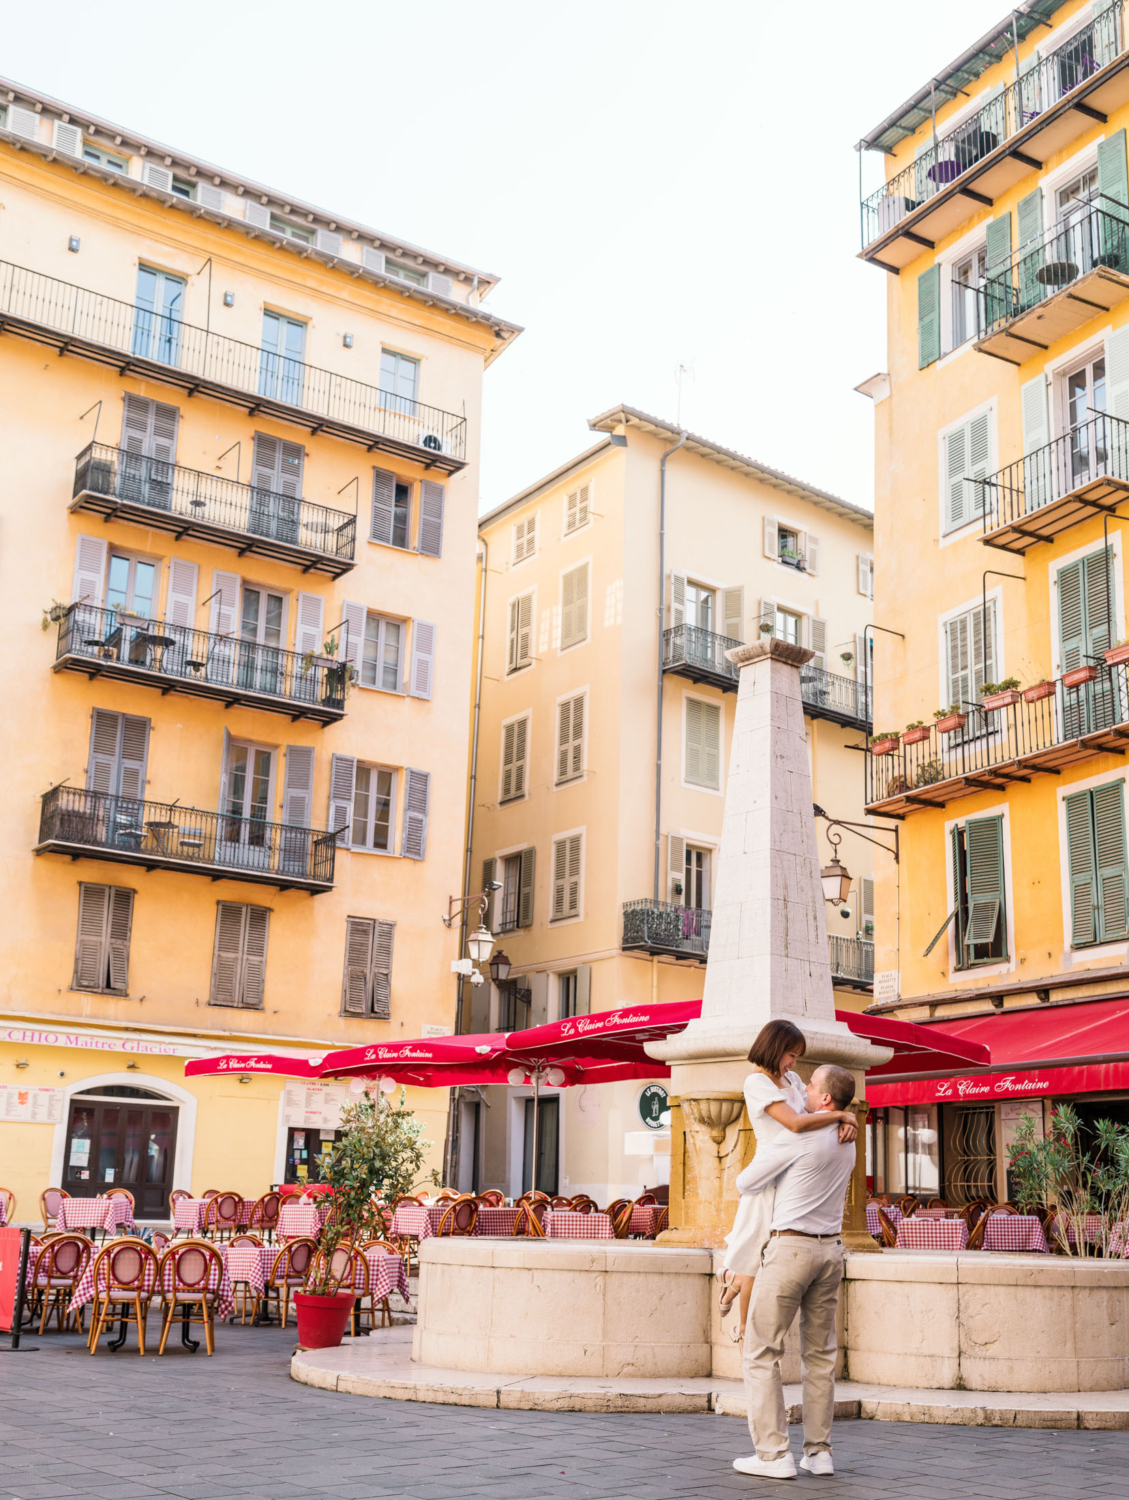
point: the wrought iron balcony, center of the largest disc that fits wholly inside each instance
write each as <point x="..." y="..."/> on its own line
<point x="700" y="655"/>
<point x="125" y="486"/>
<point x="661" y="927"/>
<point x="177" y="659"/>
<point x="852" y="961"/>
<point x="1072" y="479"/>
<point x="1037" y="735"/>
<point x="105" y="329"/>
<point x="826" y="695"/>
<point x="164" y="836"/>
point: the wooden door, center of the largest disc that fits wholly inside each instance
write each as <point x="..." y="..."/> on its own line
<point x="127" y="1143"/>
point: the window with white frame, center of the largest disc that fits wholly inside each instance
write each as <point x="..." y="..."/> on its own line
<point x="525" y="537"/>
<point x="515" y="758"/>
<point x="577" y="508"/>
<point x="968" y="277"/>
<point x="567" y="872"/>
<point x="102" y="158"/>
<point x="382" y="653"/>
<point x="399" y="374"/>
<point x="967" y="456"/>
<point x="571" y="714"/>
<point x="979" y="913"/>
<point x="374" y="808"/>
<point x="519" y="638"/>
<point x="701" y="759"/>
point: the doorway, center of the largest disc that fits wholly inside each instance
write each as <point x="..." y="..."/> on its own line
<point x="261" y="638"/>
<point x="246" y="829"/>
<point x="548" y="1147"/>
<point x="122" y="1137"/>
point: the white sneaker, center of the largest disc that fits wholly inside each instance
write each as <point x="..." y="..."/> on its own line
<point x="767" y="1468"/>
<point x="818" y="1463"/>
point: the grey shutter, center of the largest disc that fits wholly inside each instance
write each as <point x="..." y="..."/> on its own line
<point x="382" y="970"/>
<point x="526" y="879"/>
<point x="211" y="196"/>
<point x="354" y="617"/>
<point x="515" y="748"/>
<point x="383" y="506"/>
<point x="957" y="501"/>
<point x="423" y="659"/>
<point x="519" y="652"/>
<point x="105" y="740"/>
<point x="574" y="606"/>
<point x="675" y="867"/>
<point x="342" y="781"/>
<point x="137" y="418"/>
<point x="225" y="767"/>
<point x="1109" y="844"/>
<point x="865" y="562"/>
<point x="134" y="756"/>
<point x="254" y="957"/>
<point x="298" y="792"/>
<point x="1113" y="189"/>
<point x="356" y="982"/>
<point x="567" y="862"/>
<point x="413" y="841"/>
<point x="225" y="603"/>
<point x="163" y="434"/>
<point x="156" y="176"/>
<point x="487" y="878"/>
<point x="180" y="601"/>
<point x="560" y="874"/>
<point x="771" y="538"/>
<point x="928" y="317"/>
<point x="570" y="737"/>
<point x="539" y="999"/>
<point x="89" y="571"/>
<point x="818" y="629"/>
<point x="1117" y="373"/>
<point x="1080" y="860"/>
<point x="310" y="624"/>
<point x="432" y="497"/>
<point x="811" y="553"/>
<point x="277" y="465"/>
<point x="439" y="284"/>
<point x="703" y="742"/>
<point x="227" y="958"/>
<point x="1036" y="435"/>
<point x="733" y="612"/>
<point x="979" y="457"/>
<point x="576" y="508"/>
<point x="584" y="990"/>
<point x="90" y="965"/>
<point x="326" y="240"/>
<point x="676" y="600"/>
<point x="256" y="213"/>
<point x="372" y="259"/>
<point x="119" y="926"/>
<point x="67" y="138"/>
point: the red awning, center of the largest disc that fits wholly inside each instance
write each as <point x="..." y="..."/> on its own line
<point x="1080" y="1048"/>
<point x="428" y="1062"/>
<point x="255" y="1062"/>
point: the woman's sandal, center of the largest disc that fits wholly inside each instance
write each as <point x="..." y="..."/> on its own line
<point x="724" y="1302"/>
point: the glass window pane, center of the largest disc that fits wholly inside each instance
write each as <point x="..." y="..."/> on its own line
<point x="370" y="654"/>
<point x="132" y="1157"/>
<point x="117" y="589"/>
<point x="401" y="516"/>
<point x="157" y="1150"/>
<point x="79" y="1145"/>
<point x="361" y="805"/>
<point x="391" y="674"/>
<point x="272" y="629"/>
<point x="250" y="624"/>
<point x="382" y="812"/>
<point x="108" y="1146"/>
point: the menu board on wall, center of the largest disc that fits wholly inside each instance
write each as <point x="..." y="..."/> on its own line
<point x="36" y="1106"/>
<point x="314" y="1106"/>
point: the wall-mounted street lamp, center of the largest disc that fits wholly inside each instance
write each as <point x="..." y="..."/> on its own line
<point x="500" y="967"/>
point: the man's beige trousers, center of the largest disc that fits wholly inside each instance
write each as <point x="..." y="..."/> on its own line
<point x="800" y="1275"/>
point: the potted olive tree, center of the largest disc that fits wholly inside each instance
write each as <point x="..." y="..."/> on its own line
<point x="381" y="1149"/>
<point x="1083" y="1179"/>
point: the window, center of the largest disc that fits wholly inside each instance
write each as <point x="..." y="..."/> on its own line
<point x="566" y="996"/>
<point x="574" y="606"/>
<point x="519" y="645"/>
<point x="866" y="574"/>
<point x="791" y="547"/>
<point x="119" y="750"/>
<point x="571" y="713"/>
<point x="1099" y="879"/>
<point x="404" y="273"/>
<point x="696" y="886"/>
<point x="158" y="315"/>
<point x="102" y="158"/>
<point x="515" y="752"/>
<point x="391" y="510"/>
<point x="250" y="772"/>
<point x="699" y="606"/>
<point x="1084" y="609"/>
<point x="525" y="538"/>
<point x="131" y="585"/>
<point x="280" y="226"/>
<point x="515" y="1005"/>
<point x="568" y="868"/>
<point x="413" y="838"/>
<point x="382" y="653"/>
<point x="969" y="276"/>
<point x="101" y="957"/>
<point x="788" y="626"/>
<point x="788" y="544"/>
<point x="515" y="900"/>
<point x="1083" y="396"/>
<point x="399" y="378"/>
<point x="966" y="456"/>
<point x="970" y="661"/>
<point x="240" y="960"/>
<point x="702" y="755"/>
<point x="977" y="850"/>
<point x="374" y="808"/>
<point x="576" y="508"/>
<point x="366" y="989"/>
<point x="281" y="368"/>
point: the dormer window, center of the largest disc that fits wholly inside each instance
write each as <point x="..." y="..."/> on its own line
<point x="183" y="189"/>
<point x="404" y="273"/>
<point x="291" y="231"/>
<point x="102" y="158"/>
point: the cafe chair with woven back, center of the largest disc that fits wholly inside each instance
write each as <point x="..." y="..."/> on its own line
<point x="492" y="1198"/>
<point x="386" y="1248"/>
<point x="621" y="1221"/>
<point x="287" y="1274"/>
<point x="460" y="1217"/>
<point x="615" y="1208"/>
<point x="57" y="1268"/>
<point x="886" y="1228"/>
<point x="529" y="1220"/>
<point x="646" y="1200"/>
<point x="222" y="1215"/>
<point x="49" y="1201"/>
<point x="263" y="1218"/>
<point x="908" y="1205"/>
<point x="125" y="1274"/>
<point x="7" y="1205"/>
<point x="189" y="1279"/>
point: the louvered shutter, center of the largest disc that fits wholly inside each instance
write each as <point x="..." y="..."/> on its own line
<point x="1080" y="859"/>
<point x="137" y="423"/>
<point x="210" y="195"/>
<point x="866" y="903"/>
<point x="515" y="738"/>
<point x="675" y="600"/>
<point x="439" y="284"/>
<point x="357" y="982"/>
<point x="997" y="254"/>
<point x="328" y="241"/>
<point x="164" y="426"/>
<point x="265" y="461"/>
<point x="575" y="851"/>
<point x="487" y="878"/>
<point x="432" y="497"/>
<point x="1070" y="618"/>
<point x="576" y="748"/>
<point x="227" y="958"/>
<point x="1109" y="844"/>
<point x="1113" y="186"/>
<point x="298" y="792"/>
<point x="574" y="606"/>
<point x="520" y="643"/>
<point x="119" y="926"/>
<point x="254" y="957"/>
<point x="225" y="769"/>
<point x="383" y="505"/>
<point x="526" y="880"/>
<point x="134" y="755"/>
<point x="711" y="745"/>
<point x="89" y="571"/>
<point x="733" y="612"/>
<point x="423" y="659"/>
<point x="811" y="553"/>
<point x="693" y="769"/>
<point x="256" y="213"/>
<point x="584" y="990"/>
<point x="960" y="895"/>
<point x="570" y="737"/>
<point x="23" y="122"/>
<point x="979" y="458"/>
<point x="862" y="664"/>
<point x="68" y="138"/>
<point x="90" y="963"/>
<point x="310" y="624"/>
<point x="525" y="538"/>
<point x="105" y="741"/>
<point x="225" y="602"/>
<point x="156" y="176"/>
<point x="984" y="846"/>
<point x="928" y="317"/>
<point x="771" y="538"/>
<point x="864" y="566"/>
<point x="372" y="259"/>
<point x="1117" y="372"/>
<point x="342" y="781"/>
<point x="1038" y="470"/>
<point x="382" y="970"/>
<point x="818" y="632"/>
<point x="957" y="507"/>
<point x="1029" y="226"/>
<point x="413" y="840"/>
<point x="576" y="508"/>
<point x="353" y="618"/>
<point x="180" y="602"/>
<point x="675" y="868"/>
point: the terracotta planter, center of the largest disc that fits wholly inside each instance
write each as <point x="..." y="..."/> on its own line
<point x="915" y="736"/>
<point x="1001" y="700"/>
<point x="322" y="1321"/>
<point x="951" y="723"/>
<point x="884" y="747"/>
<point x="1077" y="676"/>
<point x="1116" y="655"/>
<point x="1039" y="691"/>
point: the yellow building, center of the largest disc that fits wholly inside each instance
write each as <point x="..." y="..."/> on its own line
<point x="1002" y="456"/>
<point x="241" y="616"/>
<point x="608" y="612"/>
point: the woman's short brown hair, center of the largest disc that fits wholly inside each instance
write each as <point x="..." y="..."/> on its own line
<point x="773" y="1041"/>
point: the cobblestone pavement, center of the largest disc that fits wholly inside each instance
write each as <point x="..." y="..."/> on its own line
<point x="235" y="1427"/>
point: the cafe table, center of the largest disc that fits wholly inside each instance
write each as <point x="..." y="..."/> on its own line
<point x="644" y="1219"/>
<point x="873" y="1225"/>
<point x="566" y="1224"/>
<point x="932" y="1234"/>
<point x="301" y="1220"/>
<point x="110" y="1215"/>
<point x="1014" y="1232"/>
<point x="496" y="1222"/>
<point x="188" y="1215"/>
<point x="417" y="1221"/>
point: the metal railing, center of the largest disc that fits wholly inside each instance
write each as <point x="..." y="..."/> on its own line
<point x="701" y="650"/>
<point x="166" y="834"/>
<point x="840" y="697"/>
<point x="209" y="500"/>
<point x="852" y="959"/>
<point x="144" y="334"/>
<point x="223" y="663"/>
<point x="993" y="738"/>
<point x="1095" y="449"/>
<point x="662" y="927"/>
<point x="1001" y="116"/>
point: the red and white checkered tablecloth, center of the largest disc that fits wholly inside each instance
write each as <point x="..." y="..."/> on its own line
<point x="3" y="1212"/>
<point x="1014" y="1232"/>
<point x="563" y="1224"/>
<point x="111" y="1214"/>
<point x="219" y="1278"/>
<point x="300" y="1220"/>
<point x="418" y="1222"/>
<point x="644" y="1219"/>
<point x="386" y="1275"/>
<point x="1091" y="1228"/>
<point x="84" y="1290"/>
<point x="249" y="1263"/>
<point x="188" y="1215"/>
<point x="931" y="1213"/>
<point x="497" y="1222"/>
<point x="932" y="1234"/>
<point x="872" y="1224"/>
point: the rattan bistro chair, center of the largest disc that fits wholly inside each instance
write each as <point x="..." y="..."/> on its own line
<point x="222" y="1215"/>
<point x="189" y="1277"/>
<point x="57" y="1268"/>
<point x="8" y="1198"/>
<point x="346" y="1266"/>
<point x="492" y="1198"/>
<point x="287" y="1274"/>
<point x="124" y="1276"/>
<point x="264" y="1215"/>
<point x="49" y="1201"/>
<point x="461" y="1217"/>
<point x="385" y="1308"/>
<point x="528" y="1221"/>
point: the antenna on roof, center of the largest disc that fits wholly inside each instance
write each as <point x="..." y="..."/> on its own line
<point x="682" y="373"/>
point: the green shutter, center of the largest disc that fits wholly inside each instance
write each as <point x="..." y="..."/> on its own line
<point x="984" y="843"/>
<point x="1109" y="844"/>
<point x="1113" y="178"/>
<point x="928" y="317"/>
<point x="960" y="899"/>
<point x="1070" y="626"/>
<point x="1029" y="225"/>
<point x="1080" y="855"/>
<point x="998" y="290"/>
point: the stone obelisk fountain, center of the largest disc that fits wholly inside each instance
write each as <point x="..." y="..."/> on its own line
<point x="768" y="957"/>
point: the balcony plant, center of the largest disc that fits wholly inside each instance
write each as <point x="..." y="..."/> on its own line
<point x="1039" y="690"/>
<point x="950" y="719"/>
<point x="54" y="614"/>
<point x="1117" y="653"/>
<point x="914" y="733"/>
<point x="1000" y="694"/>
<point x="1079" y="1178"/>
<point x="885" y="743"/>
<point x="1076" y="677"/>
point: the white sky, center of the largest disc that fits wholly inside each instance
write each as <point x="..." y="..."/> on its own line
<point x="658" y="182"/>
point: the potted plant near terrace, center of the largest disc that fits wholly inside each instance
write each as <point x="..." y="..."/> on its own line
<point x="1039" y="690"/>
<point x="950" y="719"/>
<point x="381" y="1149"/>
<point x="914" y="733"/>
<point x="1075" y="677"/>
<point x="1079" y="1180"/>
<point x="885" y="743"/>
<point x="1000" y="694"/>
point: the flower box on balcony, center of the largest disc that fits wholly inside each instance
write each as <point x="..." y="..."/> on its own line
<point x="1079" y="676"/>
<point x="1038" y="692"/>
<point x="951" y="723"/>
<point x="1001" y="700"/>
<point x="886" y="746"/>
<point x="1116" y="655"/>
<point x="915" y="736"/>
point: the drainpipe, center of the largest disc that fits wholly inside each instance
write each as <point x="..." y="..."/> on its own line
<point x="662" y="600"/>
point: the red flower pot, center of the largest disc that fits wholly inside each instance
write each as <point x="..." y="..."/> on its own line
<point x="915" y="736"/>
<point x="1116" y="655"/>
<point x="1077" y="676"/>
<point x="884" y="747"/>
<point x="951" y="723"/>
<point x="1039" y="691"/>
<point x="1001" y="700"/>
<point x="322" y="1320"/>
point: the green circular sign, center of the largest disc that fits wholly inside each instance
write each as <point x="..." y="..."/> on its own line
<point x="654" y="1107"/>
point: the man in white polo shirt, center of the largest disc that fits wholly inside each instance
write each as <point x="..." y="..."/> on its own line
<point x="801" y="1269"/>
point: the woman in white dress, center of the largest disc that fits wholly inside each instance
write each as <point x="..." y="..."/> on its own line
<point x="776" y="1102"/>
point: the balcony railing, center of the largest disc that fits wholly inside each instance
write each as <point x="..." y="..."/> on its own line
<point x="997" y="747"/>
<point x="1072" y="479"/>
<point x="75" y="319"/>
<point x="113" y="483"/>
<point x="852" y="960"/>
<point x="662" y="927"/>
<point x="826" y="695"/>
<point x="700" y="655"/>
<point x="164" y="836"/>
<point x="1012" y="109"/>
<point x="176" y="658"/>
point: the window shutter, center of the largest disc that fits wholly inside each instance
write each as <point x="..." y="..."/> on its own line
<point x="676" y="600"/>
<point x="862" y="665"/>
<point x="211" y="196"/>
<point x="1109" y="843"/>
<point x="432" y="498"/>
<point x="574" y="606"/>
<point x="928" y="317"/>
<point x="984" y="844"/>
<point x="372" y="259"/>
<point x="811" y="553"/>
<point x="525" y="538"/>
<point x="576" y="508"/>
<point x="1029" y="226"/>
<point x="180" y="601"/>
<point x="818" y="630"/>
<point x="423" y="659"/>
<point x="254" y="957"/>
<point x="1029" y="217"/>
<point x="771" y="538"/>
<point x="137" y="423"/>
<point x="89" y="571"/>
<point x="979" y="456"/>
<point x="570" y="737"/>
<point x="297" y="796"/>
<point x="163" y="432"/>
<point x="1070" y="627"/>
<point x="957" y="508"/>
<point x="310" y="624"/>
<point x="865" y="566"/>
<point x="487" y="877"/>
<point x="134" y="755"/>
<point x="356" y="985"/>
<point x="733" y="612"/>
<point x="515" y="738"/>
<point x="68" y="138"/>
<point x="225" y="603"/>
<point x="675" y="867"/>
<point x="693" y="739"/>
<point x="225" y="766"/>
<point x="439" y="284"/>
<point x="342" y="780"/>
<point x="703" y="742"/>
<point x="866" y="904"/>
<point x="567" y="856"/>
<point x="328" y="241"/>
<point x="997" y="254"/>
<point x="520" y="644"/>
<point x="90" y="965"/>
<point x="353" y="617"/>
<point x="413" y="841"/>
<point x="256" y="213"/>
<point x="1117" y="372"/>
<point x="960" y="896"/>
<point x="382" y="970"/>
<point x="264" y="461"/>
<point x="119" y="927"/>
<point x="1080" y="857"/>
<point x="227" y="959"/>
<point x="156" y="176"/>
<point x="105" y="737"/>
<point x="526" y="878"/>
<point x="23" y="122"/>
<point x="584" y="990"/>
<point x="997" y="241"/>
<point x="383" y="505"/>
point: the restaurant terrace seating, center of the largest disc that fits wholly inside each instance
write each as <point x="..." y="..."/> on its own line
<point x="582" y="1204"/>
<point x="348" y="1268"/>
<point x="264" y="1214"/>
<point x="124" y="1276"/>
<point x="936" y="1203"/>
<point x="646" y="1200"/>
<point x="223" y="1215"/>
<point x="460" y="1217"/>
<point x="662" y="1220"/>
<point x="287" y="1274"/>
<point x="57" y="1267"/>
<point x="492" y="1198"/>
<point x="385" y="1307"/>
<point x="120" y="1192"/>
<point x="529" y="1220"/>
<point x="159" y="1241"/>
<point x="177" y="1194"/>
<point x="615" y="1207"/>
<point x="210" y="1193"/>
<point x="908" y="1205"/>
<point x="49" y="1200"/>
<point x="189" y="1278"/>
<point x="888" y="1228"/>
<point x="621" y="1220"/>
<point x="8" y="1200"/>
